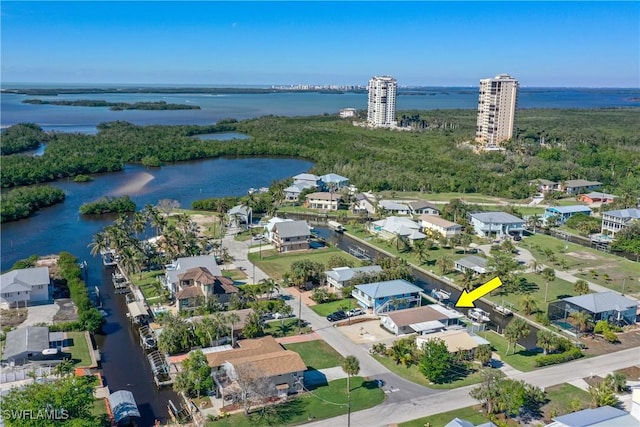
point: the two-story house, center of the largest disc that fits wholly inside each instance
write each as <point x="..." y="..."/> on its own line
<point x="290" y="235"/>
<point x="496" y="224"/>
<point x="323" y="200"/>
<point x="421" y="207"/>
<point x="391" y="207"/>
<point x="560" y="214"/>
<point x="333" y="182"/>
<point x="614" y="221"/>
<point x="385" y="296"/>
<point x="577" y="186"/>
<point x="439" y="226"/>
<point x="197" y="286"/>
<point x="180" y="266"/>
<point x="25" y="286"/>
<point x="307" y="179"/>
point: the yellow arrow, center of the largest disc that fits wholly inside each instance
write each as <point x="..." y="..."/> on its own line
<point x="467" y="298"/>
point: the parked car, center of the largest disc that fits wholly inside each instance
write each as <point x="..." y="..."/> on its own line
<point x="282" y="315"/>
<point x="337" y="315"/>
<point x="355" y="312"/>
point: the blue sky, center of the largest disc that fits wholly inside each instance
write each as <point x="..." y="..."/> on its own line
<point x="586" y="44"/>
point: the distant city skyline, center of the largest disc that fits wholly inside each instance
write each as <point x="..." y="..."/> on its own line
<point x="542" y="44"/>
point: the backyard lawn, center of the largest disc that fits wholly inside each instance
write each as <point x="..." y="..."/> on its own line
<point x="150" y="286"/>
<point x="327" y="308"/>
<point x="275" y="265"/>
<point x="316" y="354"/>
<point x="321" y="403"/>
<point x="563" y="399"/>
<point x="523" y="360"/>
<point x="470" y="413"/>
<point x="80" y="349"/>
<point x="285" y="328"/>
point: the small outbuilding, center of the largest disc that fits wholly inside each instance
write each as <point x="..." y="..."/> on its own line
<point x="123" y="406"/>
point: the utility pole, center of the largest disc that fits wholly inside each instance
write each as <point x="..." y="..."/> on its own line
<point x="349" y="409"/>
<point x="300" y="313"/>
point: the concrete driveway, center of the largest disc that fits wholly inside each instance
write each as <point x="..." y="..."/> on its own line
<point x="368" y="332"/>
<point x="40" y="314"/>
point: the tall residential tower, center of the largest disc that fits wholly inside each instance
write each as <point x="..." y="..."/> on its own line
<point x="496" y="110"/>
<point x="382" y="102"/>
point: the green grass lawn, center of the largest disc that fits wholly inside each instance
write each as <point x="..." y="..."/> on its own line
<point x="445" y="197"/>
<point x="99" y="409"/>
<point x="563" y="399"/>
<point x="522" y="360"/>
<point x="316" y="354"/>
<point x="470" y="413"/>
<point x="276" y="265"/>
<point x="327" y="308"/>
<point x="80" y="349"/>
<point x="285" y="328"/>
<point x="148" y="283"/>
<point x="235" y="274"/>
<point x="322" y="403"/>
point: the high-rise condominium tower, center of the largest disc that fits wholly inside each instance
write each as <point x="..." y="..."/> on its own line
<point x="496" y="110"/>
<point x="382" y="101"/>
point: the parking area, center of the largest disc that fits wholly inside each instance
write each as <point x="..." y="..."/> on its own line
<point x="367" y="332"/>
<point x="40" y="314"/>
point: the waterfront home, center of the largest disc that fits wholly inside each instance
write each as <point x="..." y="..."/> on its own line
<point x="390" y="295"/>
<point x="563" y="213"/>
<point x="421" y="207"/>
<point x="323" y="200"/>
<point x="340" y="277"/>
<point x="421" y="320"/>
<point x="313" y="181"/>
<point x="180" y="266"/>
<point x="459" y="422"/>
<point x="332" y="181"/>
<point x="364" y="203"/>
<point x="292" y="192"/>
<point x="614" y="221"/>
<point x="268" y="227"/>
<point x="456" y="340"/>
<point x="240" y="215"/>
<point x="496" y="224"/>
<point x="32" y="343"/>
<point x="596" y="197"/>
<point x="608" y="305"/>
<point x="604" y="416"/>
<point x="393" y="226"/>
<point x="291" y="235"/>
<point x="197" y="286"/>
<point x="439" y="226"/>
<point x="394" y="208"/>
<point x="25" y="286"/>
<point x="263" y="360"/>
<point x="474" y="263"/>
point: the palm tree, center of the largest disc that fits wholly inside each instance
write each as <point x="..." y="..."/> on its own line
<point x="528" y="304"/>
<point x="535" y="266"/>
<point x="350" y="366"/>
<point x="581" y="287"/>
<point x="100" y="243"/>
<point x="467" y="280"/>
<point x="465" y="240"/>
<point x="270" y="285"/>
<point x="546" y="340"/>
<point x="421" y="250"/>
<point x="515" y="330"/>
<point x="445" y="263"/>
<point x="534" y="221"/>
<point x="549" y="275"/>
<point x="232" y="318"/>
<point x="581" y="320"/>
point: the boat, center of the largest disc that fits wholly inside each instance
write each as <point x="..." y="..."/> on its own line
<point x="478" y="314"/>
<point x="440" y="294"/>
<point x="108" y="257"/>
<point x="335" y="226"/>
<point x="503" y="310"/>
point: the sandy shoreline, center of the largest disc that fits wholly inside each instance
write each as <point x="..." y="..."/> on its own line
<point x="136" y="184"/>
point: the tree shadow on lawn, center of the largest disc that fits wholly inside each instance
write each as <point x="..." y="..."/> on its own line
<point x="368" y="384"/>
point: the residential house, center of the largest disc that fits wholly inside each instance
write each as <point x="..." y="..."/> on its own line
<point x="562" y="213"/>
<point x="498" y="224"/>
<point x="25" y="286"/>
<point x="577" y="186"/>
<point x="393" y="226"/>
<point x="32" y="343"/>
<point x="365" y="203"/>
<point x="340" y="277"/>
<point x="544" y="185"/>
<point x="608" y="305"/>
<point x="455" y="340"/>
<point x="332" y="181"/>
<point x="291" y="235"/>
<point x="432" y="224"/>
<point x="268" y="227"/>
<point x="394" y="208"/>
<point x="474" y="263"/>
<point x="180" y="266"/>
<point x="459" y="422"/>
<point x="420" y="320"/>
<point x="323" y="201"/>
<point x="292" y="192"/>
<point x="240" y="215"/>
<point x="386" y="296"/>
<point x="421" y="207"/>
<point x="614" y="221"/>
<point x="604" y="416"/>
<point x="197" y="285"/>
<point x="307" y="178"/>
<point x="596" y="197"/>
<point x="263" y="360"/>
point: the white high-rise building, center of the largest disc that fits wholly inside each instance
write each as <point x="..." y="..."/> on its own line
<point x="496" y="110"/>
<point x="382" y="101"/>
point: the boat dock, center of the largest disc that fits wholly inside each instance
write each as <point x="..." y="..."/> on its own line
<point x="120" y="282"/>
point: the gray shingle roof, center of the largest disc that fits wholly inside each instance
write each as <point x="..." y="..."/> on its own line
<point x="625" y="213"/>
<point x="388" y="289"/>
<point x="341" y="274"/>
<point x="292" y="229"/>
<point x="187" y="263"/>
<point x="496" y="217"/>
<point x="29" y="339"/>
<point x="602" y="302"/>
<point x="580" y="183"/>
<point x="420" y="204"/>
<point x="26" y="277"/>
<point x="473" y="261"/>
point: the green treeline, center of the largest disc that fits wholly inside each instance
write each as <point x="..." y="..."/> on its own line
<point x="104" y="205"/>
<point x="21" y="137"/>
<point x="602" y="145"/>
<point x="116" y="106"/>
<point x="22" y="202"/>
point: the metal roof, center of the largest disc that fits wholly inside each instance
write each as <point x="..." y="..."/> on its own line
<point x="569" y="209"/>
<point x="136" y="308"/>
<point x="624" y="213"/>
<point x="473" y="262"/>
<point x="427" y="326"/>
<point x="341" y="274"/>
<point x="592" y="417"/>
<point x="601" y="302"/>
<point x="389" y="288"/>
<point x="25" y="277"/>
<point x="496" y="218"/>
<point x="123" y="405"/>
<point x="24" y="340"/>
<point x="292" y="229"/>
<point x="333" y="178"/>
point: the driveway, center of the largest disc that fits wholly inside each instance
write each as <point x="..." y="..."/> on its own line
<point x="40" y="314"/>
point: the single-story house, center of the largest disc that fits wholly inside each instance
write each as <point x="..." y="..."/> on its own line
<point x="498" y="224"/>
<point x="474" y="263"/>
<point x="604" y="416"/>
<point x="180" y="266"/>
<point x="364" y="204"/>
<point x="563" y="213"/>
<point x="421" y="207"/>
<point x="455" y="340"/>
<point x="597" y="197"/>
<point x="386" y="296"/>
<point x="25" y="286"/>
<point x="240" y="215"/>
<point x="340" y="277"/>
<point x="307" y="178"/>
<point x="394" y="208"/>
<point x="608" y="305"/>
<point x="389" y="227"/>
<point x="614" y="221"/>
<point x="291" y="235"/>
<point x="292" y="192"/>
<point x="577" y="186"/>
<point x="439" y="226"/>
<point x="280" y="371"/>
<point x="332" y="181"/>
<point x="197" y="285"/>
<point x="32" y="343"/>
<point x="323" y="200"/>
<point x="420" y="320"/>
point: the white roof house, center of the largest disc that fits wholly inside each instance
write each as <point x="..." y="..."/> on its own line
<point x="395" y="225"/>
<point x="393" y="207"/>
<point x="496" y="223"/>
<point x="604" y="416"/>
<point x="340" y="276"/>
<point x="24" y="286"/>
